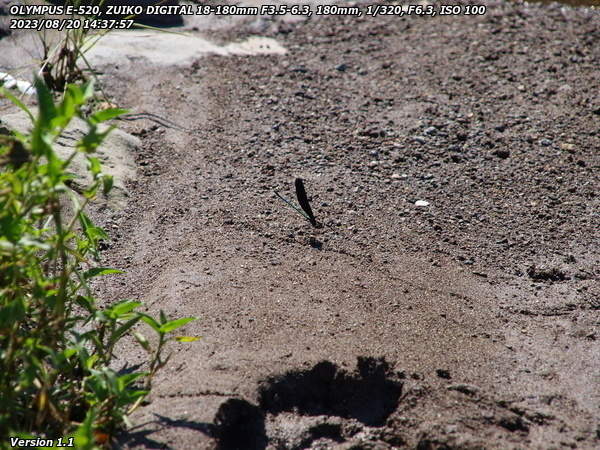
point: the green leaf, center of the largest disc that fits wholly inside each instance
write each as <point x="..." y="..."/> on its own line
<point x="17" y="186"/>
<point x="91" y="362"/>
<point x="99" y="271"/>
<point x="75" y="94"/>
<point x="47" y="110"/>
<point x="66" y="110"/>
<point x="85" y="222"/>
<point x="86" y="303"/>
<point x="174" y="324"/>
<point x="187" y="338"/>
<point x="106" y="114"/>
<point x="11" y="313"/>
<point x="87" y="90"/>
<point x="94" y="165"/>
<point x="68" y="352"/>
<point x="92" y="232"/>
<point x="123" y="329"/>
<point x="93" y="139"/>
<point x="134" y="395"/>
<point x="5" y="93"/>
<point x="127" y="379"/>
<point x="142" y="341"/>
<point x="122" y="308"/>
<point x="55" y="164"/>
<point x="80" y="94"/>
<point x="107" y="184"/>
<point x="84" y="435"/>
<point x="150" y="321"/>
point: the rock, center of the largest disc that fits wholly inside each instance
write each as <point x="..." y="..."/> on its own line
<point x="545" y="142"/>
<point x="443" y="373"/>
<point x="467" y="389"/>
<point x="373" y="132"/>
<point x="8" y="81"/>
<point x="501" y="153"/>
<point x="567" y="147"/>
<point x="171" y="49"/>
<point x="421" y="203"/>
<point x="315" y="243"/>
<point x="341" y="68"/>
<point x="512" y="422"/>
<point x="546" y="273"/>
<point x="419" y="139"/>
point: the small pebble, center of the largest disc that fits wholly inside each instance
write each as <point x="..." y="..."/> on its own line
<point x="468" y="389"/>
<point x="502" y="153"/>
<point x="443" y="373"/>
<point x="422" y="203"/>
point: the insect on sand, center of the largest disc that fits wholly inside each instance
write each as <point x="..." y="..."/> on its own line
<point x="306" y="211"/>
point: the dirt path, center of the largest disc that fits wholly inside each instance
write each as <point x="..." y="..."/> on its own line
<point x="484" y="304"/>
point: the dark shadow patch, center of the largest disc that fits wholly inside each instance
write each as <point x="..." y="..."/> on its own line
<point x="240" y="425"/>
<point x="141" y="438"/>
<point x="369" y="394"/>
<point x="513" y="423"/>
<point x="127" y="369"/>
<point x="331" y="431"/>
<point x="432" y="444"/>
<point x="315" y="243"/>
<point x="140" y="434"/>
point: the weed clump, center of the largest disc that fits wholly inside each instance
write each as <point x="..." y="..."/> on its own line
<point x="57" y="344"/>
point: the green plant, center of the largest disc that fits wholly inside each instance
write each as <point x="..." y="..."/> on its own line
<point x="56" y="342"/>
<point x="61" y="60"/>
<point x="64" y="61"/>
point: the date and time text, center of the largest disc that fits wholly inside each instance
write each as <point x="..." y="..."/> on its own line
<point x="39" y="17"/>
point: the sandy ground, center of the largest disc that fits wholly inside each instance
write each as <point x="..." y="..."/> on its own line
<point x="468" y="323"/>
